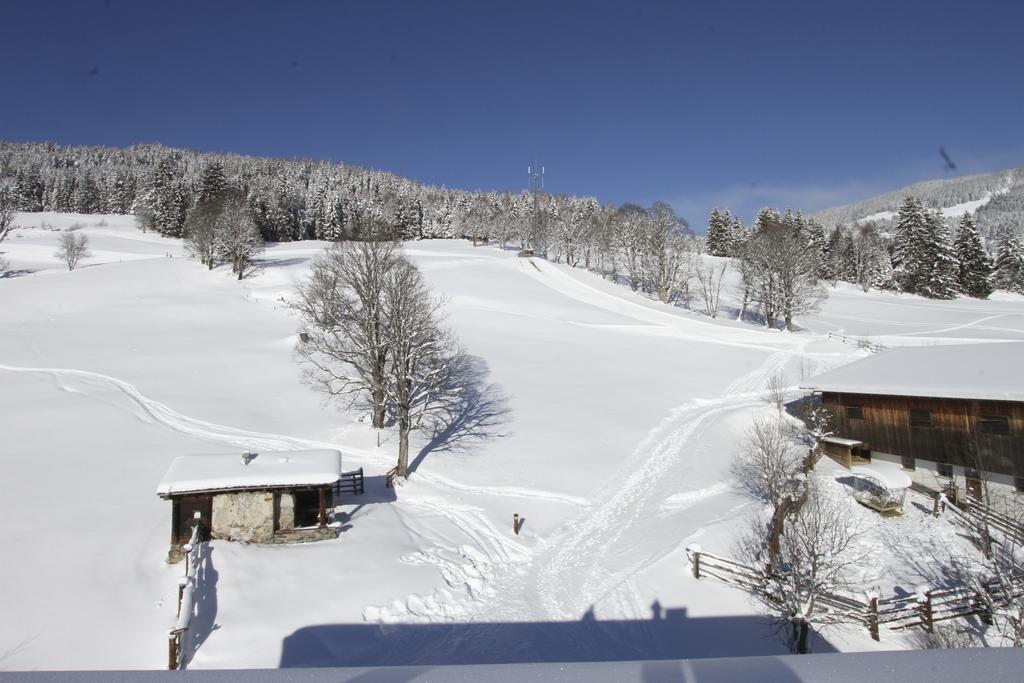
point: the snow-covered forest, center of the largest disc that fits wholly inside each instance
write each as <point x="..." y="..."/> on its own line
<point x="289" y="199"/>
<point x="997" y="200"/>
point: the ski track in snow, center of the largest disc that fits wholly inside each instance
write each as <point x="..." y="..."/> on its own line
<point x="568" y="573"/>
<point x="552" y="277"/>
<point x="263" y="441"/>
<point x="201" y="429"/>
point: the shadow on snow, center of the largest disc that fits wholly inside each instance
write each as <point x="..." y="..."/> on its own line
<point x="669" y="634"/>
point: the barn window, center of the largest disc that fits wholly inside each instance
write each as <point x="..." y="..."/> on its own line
<point x="908" y="462"/>
<point x="994" y="424"/>
<point x="920" y="418"/>
<point x="854" y="412"/>
<point x="945" y="470"/>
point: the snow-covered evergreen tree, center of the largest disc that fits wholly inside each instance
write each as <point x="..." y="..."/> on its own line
<point x="909" y="238"/>
<point x="719" y="237"/>
<point x="1009" y="265"/>
<point x="213" y="184"/>
<point x="974" y="267"/>
<point x="939" y="266"/>
<point x="923" y="256"/>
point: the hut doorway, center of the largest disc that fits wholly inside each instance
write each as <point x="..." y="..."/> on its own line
<point x="185" y="509"/>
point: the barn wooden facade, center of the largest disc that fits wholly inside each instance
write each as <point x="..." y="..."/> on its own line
<point x="941" y="412"/>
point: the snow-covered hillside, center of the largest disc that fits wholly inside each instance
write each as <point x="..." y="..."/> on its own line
<point x="607" y="421"/>
<point x="995" y="199"/>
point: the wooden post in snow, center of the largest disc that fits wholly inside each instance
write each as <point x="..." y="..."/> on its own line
<point x="873" y="617"/>
<point x="182" y="582"/>
<point x="924" y="599"/>
<point x="694" y="552"/>
<point x="515" y="523"/>
<point x="172" y="651"/>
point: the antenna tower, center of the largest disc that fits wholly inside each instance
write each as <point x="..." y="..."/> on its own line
<point x="536" y="173"/>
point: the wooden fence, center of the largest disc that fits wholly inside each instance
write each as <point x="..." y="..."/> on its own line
<point x="859" y="342"/>
<point x="186" y="599"/>
<point x="923" y="608"/>
<point x="350" y="482"/>
<point x="986" y="517"/>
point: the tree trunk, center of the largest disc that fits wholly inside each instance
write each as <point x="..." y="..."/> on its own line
<point x="377" y="394"/>
<point x="803" y="629"/>
<point x="403" y="444"/>
<point x="403" y="427"/>
<point x="789" y="322"/>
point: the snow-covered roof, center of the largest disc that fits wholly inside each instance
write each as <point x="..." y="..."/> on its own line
<point x="219" y="472"/>
<point x="890" y="475"/>
<point x="986" y="372"/>
<point x="840" y="441"/>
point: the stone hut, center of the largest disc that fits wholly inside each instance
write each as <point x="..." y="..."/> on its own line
<point x="276" y="497"/>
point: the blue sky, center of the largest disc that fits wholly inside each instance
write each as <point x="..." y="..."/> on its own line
<point x="738" y="104"/>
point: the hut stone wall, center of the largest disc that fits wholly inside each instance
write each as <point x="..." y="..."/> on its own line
<point x="246" y="516"/>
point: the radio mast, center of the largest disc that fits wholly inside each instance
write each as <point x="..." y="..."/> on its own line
<point x="536" y="173"/>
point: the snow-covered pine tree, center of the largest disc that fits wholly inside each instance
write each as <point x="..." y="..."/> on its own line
<point x="939" y="265"/>
<point x="738" y="235"/>
<point x="1009" y="266"/>
<point x="719" y="239"/>
<point x="815" y="235"/>
<point x="87" y="196"/>
<point x="838" y="264"/>
<point x="909" y="238"/>
<point x="122" y="194"/>
<point x="974" y="267"/>
<point x="213" y="184"/>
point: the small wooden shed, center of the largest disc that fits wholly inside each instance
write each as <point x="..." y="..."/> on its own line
<point x="275" y="497"/>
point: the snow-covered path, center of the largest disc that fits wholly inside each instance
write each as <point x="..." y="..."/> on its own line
<point x="587" y="571"/>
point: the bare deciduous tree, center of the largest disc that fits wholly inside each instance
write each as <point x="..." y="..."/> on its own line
<point x="666" y="254"/>
<point x="238" y="240"/>
<point x="201" y="232"/>
<point x="998" y="580"/>
<point x="342" y="310"/>
<point x="780" y="273"/>
<point x="420" y="351"/>
<point x="818" y="555"/>
<point x="6" y="224"/>
<point x="709" y="279"/>
<point x="74" y="246"/>
<point x="768" y="462"/>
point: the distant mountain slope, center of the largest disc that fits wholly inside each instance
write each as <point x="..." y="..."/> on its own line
<point x="995" y="199"/>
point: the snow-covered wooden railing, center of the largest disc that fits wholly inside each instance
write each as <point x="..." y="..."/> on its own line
<point x="923" y="608"/>
<point x="860" y="342"/>
<point x="986" y="516"/>
<point x="186" y="600"/>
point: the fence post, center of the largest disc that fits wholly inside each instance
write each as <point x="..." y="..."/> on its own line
<point x="924" y="599"/>
<point x="172" y="651"/>
<point x="694" y="552"/>
<point x="182" y="582"/>
<point x="984" y="613"/>
<point x="873" y="618"/>
<point x="515" y="523"/>
<point x="935" y="505"/>
<point x="872" y="596"/>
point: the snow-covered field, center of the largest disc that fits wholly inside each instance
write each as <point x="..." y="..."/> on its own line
<point x="607" y="421"/>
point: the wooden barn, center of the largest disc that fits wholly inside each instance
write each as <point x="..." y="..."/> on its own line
<point x="281" y="497"/>
<point x="940" y="412"/>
